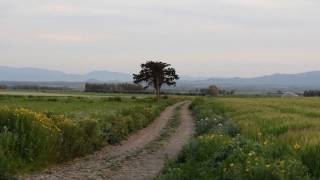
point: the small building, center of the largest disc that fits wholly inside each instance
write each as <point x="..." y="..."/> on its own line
<point x="289" y="94"/>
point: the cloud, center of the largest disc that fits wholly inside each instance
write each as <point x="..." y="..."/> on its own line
<point x="67" y="38"/>
<point x="62" y="9"/>
<point x="216" y="33"/>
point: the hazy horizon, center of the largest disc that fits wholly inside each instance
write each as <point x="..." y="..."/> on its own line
<point x="181" y="75"/>
<point x="223" y="38"/>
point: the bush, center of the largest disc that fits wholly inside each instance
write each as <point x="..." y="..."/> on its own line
<point x="91" y="132"/>
<point x="78" y="138"/>
<point x="52" y="99"/>
<point x="72" y="140"/>
<point x="116" y="127"/>
<point x="165" y="97"/>
<point x="114" y="99"/>
<point x="29" y="138"/>
<point x="26" y="137"/>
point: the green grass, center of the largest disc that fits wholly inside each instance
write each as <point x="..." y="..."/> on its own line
<point x="252" y="138"/>
<point x="286" y="120"/>
<point x="69" y="93"/>
<point x="36" y="131"/>
<point x="77" y="108"/>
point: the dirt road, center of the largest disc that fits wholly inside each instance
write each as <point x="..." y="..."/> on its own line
<point x="141" y="156"/>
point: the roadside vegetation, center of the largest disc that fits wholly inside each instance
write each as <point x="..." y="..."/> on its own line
<point x="39" y="131"/>
<point x="251" y="138"/>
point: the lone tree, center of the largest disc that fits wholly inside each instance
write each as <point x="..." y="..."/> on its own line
<point x="213" y="90"/>
<point x="156" y="74"/>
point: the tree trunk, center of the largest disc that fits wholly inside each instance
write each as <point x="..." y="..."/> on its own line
<point x="158" y="96"/>
<point x="157" y="86"/>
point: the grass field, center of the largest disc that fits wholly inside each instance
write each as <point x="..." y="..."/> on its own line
<point x="286" y="120"/>
<point x="77" y="108"/>
<point x="71" y="93"/>
<point x="236" y="138"/>
<point x="37" y="131"/>
<point x="252" y="138"/>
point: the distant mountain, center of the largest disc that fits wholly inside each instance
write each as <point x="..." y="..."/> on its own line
<point x="276" y="81"/>
<point x="281" y="81"/>
<point x="36" y="74"/>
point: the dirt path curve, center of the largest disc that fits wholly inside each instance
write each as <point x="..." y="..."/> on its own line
<point x="100" y="165"/>
<point x="149" y="165"/>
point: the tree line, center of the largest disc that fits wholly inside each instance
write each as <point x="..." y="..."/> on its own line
<point x="114" y="88"/>
<point x="2" y="86"/>
<point x="35" y="87"/>
<point x="311" y="93"/>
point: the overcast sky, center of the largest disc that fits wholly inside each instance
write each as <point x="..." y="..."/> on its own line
<point x="198" y="37"/>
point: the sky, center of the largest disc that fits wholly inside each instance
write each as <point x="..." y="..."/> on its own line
<point x="220" y="38"/>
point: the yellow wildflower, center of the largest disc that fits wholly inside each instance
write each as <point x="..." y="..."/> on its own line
<point x="211" y="136"/>
<point x="282" y="163"/>
<point x="296" y="146"/>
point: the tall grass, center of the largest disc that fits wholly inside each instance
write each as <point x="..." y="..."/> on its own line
<point x="243" y="139"/>
<point x="31" y="140"/>
<point x="26" y="137"/>
<point x="290" y="121"/>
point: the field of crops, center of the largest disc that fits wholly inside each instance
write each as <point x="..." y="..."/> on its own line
<point x="68" y="93"/>
<point x="252" y="138"/>
<point x="37" y="131"/>
<point x="236" y="138"/>
<point x="291" y="121"/>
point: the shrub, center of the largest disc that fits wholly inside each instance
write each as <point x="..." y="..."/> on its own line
<point x="114" y="99"/>
<point x="118" y="129"/>
<point x="165" y="97"/>
<point x="26" y="137"/>
<point x="52" y="99"/>
<point x="91" y="132"/>
<point x="24" y="126"/>
<point x="72" y="140"/>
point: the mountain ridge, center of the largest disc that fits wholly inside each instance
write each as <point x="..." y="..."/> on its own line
<point x="309" y="79"/>
<point x="39" y="74"/>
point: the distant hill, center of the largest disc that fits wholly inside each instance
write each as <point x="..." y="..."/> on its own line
<point x="36" y="74"/>
<point x="298" y="81"/>
<point x="271" y="83"/>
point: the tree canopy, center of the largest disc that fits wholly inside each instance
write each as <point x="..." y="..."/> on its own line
<point x="214" y="90"/>
<point x="155" y="74"/>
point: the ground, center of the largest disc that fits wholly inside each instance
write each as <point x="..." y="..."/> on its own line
<point x="141" y="156"/>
